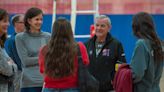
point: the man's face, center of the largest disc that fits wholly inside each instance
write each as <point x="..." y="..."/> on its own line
<point x="102" y="27"/>
<point x="19" y="25"/>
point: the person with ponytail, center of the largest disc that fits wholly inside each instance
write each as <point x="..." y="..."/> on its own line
<point x="147" y="59"/>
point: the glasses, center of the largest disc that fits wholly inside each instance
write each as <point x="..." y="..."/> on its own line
<point x="19" y="22"/>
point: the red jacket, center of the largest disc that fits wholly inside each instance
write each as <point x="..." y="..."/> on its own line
<point x="65" y="82"/>
<point x="123" y="79"/>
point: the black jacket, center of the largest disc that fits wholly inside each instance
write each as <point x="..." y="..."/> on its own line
<point x="103" y="66"/>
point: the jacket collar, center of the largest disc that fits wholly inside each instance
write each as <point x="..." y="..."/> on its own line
<point x="108" y="37"/>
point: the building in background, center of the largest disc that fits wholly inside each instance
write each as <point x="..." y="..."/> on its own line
<point x="105" y="6"/>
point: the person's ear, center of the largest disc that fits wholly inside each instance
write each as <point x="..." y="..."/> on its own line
<point x="29" y="21"/>
<point x="110" y="27"/>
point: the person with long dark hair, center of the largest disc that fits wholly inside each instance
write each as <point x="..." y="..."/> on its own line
<point x="58" y="59"/>
<point x="28" y="44"/>
<point x="7" y="67"/>
<point x="147" y="60"/>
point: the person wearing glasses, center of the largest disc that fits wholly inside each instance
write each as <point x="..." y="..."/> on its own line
<point x="18" y="24"/>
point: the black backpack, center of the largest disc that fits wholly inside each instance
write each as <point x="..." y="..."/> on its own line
<point x="87" y="82"/>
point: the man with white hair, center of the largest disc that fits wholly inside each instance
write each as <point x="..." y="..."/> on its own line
<point x="104" y="52"/>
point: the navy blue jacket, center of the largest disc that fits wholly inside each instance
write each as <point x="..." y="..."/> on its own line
<point x="12" y="51"/>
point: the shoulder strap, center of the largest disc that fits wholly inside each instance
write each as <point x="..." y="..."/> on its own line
<point x="80" y="46"/>
<point x="79" y="55"/>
